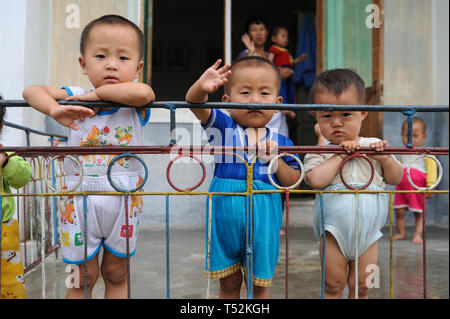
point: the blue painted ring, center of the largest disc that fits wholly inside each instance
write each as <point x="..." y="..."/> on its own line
<point x="116" y="159"/>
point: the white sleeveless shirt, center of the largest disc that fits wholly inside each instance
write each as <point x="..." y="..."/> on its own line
<point x="118" y="126"/>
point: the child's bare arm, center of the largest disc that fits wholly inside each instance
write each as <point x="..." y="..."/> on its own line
<point x="128" y="93"/>
<point x="271" y="56"/>
<point x="322" y="175"/>
<point x="302" y="57"/>
<point x="209" y="82"/>
<point x="43" y="98"/>
<point x="287" y="175"/>
<point x="392" y="169"/>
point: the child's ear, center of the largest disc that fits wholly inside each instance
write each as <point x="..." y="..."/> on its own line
<point x="314" y="114"/>
<point x="82" y="64"/>
<point x="139" y="68"/>
<point x="279" y="99"/>
<point x="364" y="115"/>
<point x="225" y="98"/>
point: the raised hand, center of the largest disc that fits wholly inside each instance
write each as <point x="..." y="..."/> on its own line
<point x="249" y="44"/>
<point x="213" y="78"/>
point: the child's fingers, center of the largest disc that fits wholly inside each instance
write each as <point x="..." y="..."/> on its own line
<point x="216" y="65"/>
<point x="224" y="69"/>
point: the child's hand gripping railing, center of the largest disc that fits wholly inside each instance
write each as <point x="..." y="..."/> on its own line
<point x="34" y="151"/>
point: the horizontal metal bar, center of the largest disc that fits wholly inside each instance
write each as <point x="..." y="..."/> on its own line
<point x="205" y="150"/>
<point x="27" y="129"/>
<point x="268" y="106"/>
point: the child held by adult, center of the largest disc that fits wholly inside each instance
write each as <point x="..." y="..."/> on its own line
<point x="345" y="87"/>
<point x="111" y="49"/>
<point x="281" y="57"/>
<point x="248" y="80"/>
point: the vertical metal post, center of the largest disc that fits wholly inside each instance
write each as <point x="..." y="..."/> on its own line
<point x="322" y="293"/>
<point x="227" y="31"/>
<point x="287" y="244"/>
<point x="208" y="266"/>
<point x="391" y="247"/>
<point x="356" y="243"/>
<point x="85" y="242"/>
<point x="424" y="247"/>
<point x="127" y="232"/>
<point x="167" y="250"/>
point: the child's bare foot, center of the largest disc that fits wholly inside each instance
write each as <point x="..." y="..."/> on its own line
<point x="417" y="239"/>
<point x="399" y="237"/>
<point x="282" y="232"/>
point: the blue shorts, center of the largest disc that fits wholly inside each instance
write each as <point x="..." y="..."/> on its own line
<point x="228" y="230"/>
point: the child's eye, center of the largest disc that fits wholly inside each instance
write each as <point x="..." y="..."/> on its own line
<point x="326" y="116"/>
<point x="124" y="58"/>
<point x="100" y="56"/>
<point x="245" y="92"/>
<point x="265" y="93"/>
<point x="346" y="114"/>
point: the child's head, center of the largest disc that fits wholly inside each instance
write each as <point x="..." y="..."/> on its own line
<point x="111" y="50"/>
<point x="253" y="80"/>
<point x="257" y="30"/>
<point x="280" y="36"/>
<point x="419" y="132"/>
<point x="340" y="87"/>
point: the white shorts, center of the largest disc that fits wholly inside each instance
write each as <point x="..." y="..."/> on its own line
<point x="339" y="218"/>
<point x="106" y="219"/>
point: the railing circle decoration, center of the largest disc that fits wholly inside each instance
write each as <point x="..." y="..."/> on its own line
<point x="341" y="169"/>
<point x="72" y="158"/>
<point x="269" y="171"/>
<point x="126" y="155"/>
<point x="189" y="188"/>
<point x="438" y="180"/>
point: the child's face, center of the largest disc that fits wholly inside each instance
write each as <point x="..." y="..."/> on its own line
<point x="418" y="134"/>
<point x="339" y="126"/>
<point x="253" y="85"/>
<point x="111" y="55"/>
<point x="281" y="38"/>
<point x="258" y="33"/>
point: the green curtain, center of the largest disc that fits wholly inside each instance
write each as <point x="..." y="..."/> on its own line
<point x="348" y="41"/>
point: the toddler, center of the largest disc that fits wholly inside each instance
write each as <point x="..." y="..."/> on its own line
<point x="111" y="50"/>
<point x="423" y="173"/>
<point x="279" y="54"/>
<point x="14" y="172"/>
<point x="248" y="80"/>
<point x="343" y="86"/>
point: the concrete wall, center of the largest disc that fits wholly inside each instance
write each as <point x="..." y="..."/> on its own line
<point x="415" y="72"/>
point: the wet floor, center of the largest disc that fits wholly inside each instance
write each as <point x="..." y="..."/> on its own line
<point x="187" y="260"/>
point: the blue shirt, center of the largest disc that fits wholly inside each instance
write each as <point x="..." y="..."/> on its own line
<point x="222" y="130"/>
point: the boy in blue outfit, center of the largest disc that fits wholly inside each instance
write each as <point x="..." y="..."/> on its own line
<point x="248" y="80"/>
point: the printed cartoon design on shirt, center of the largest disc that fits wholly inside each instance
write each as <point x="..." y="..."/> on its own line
<point x="102" y="137"/>
<point x="123" y="134"/>
<point x="136" y="201"/>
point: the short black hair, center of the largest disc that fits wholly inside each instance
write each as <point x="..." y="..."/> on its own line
<point x="252" y="61"/>
<point x="254" y="20"/>
<point x="337" y="81"/>
<point x="111" y="19"/>
<point x="277" y="29"/>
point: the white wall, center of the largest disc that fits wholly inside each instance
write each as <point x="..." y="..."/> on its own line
<point x="24" y="54"/>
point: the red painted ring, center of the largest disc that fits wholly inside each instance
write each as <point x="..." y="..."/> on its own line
<point x="189" y="188"/>
<point x="341" y="168"/>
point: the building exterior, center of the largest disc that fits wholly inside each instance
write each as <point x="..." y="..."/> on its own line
<point x="408" y="55"/>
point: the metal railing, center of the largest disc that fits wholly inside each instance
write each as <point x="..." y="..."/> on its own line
<point x="46" y="153"/>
